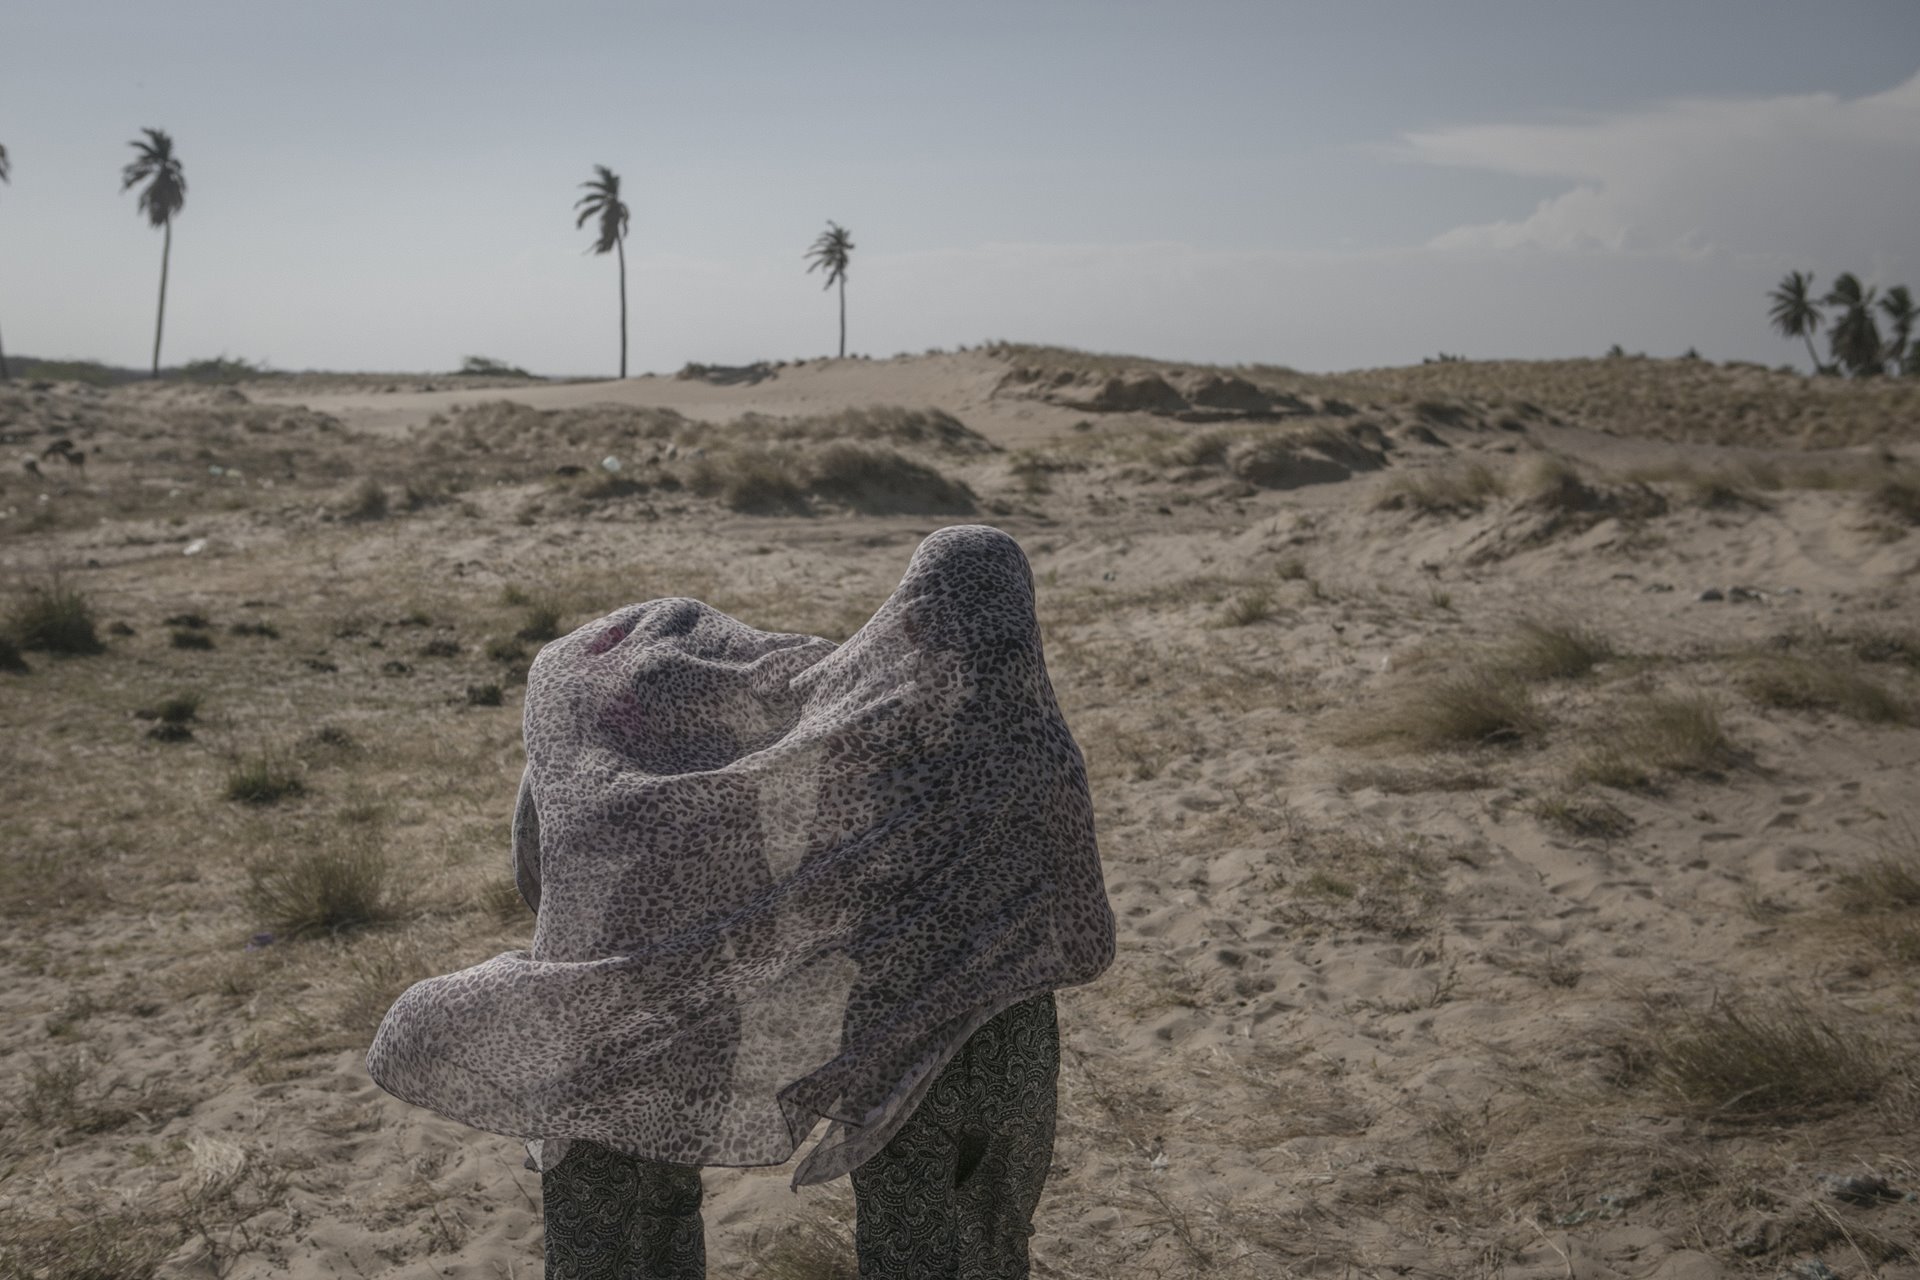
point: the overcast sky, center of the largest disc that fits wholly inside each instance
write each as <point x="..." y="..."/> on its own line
<point x="387" y="184"/>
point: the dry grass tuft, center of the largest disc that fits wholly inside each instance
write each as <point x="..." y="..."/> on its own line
<point x="1825" y="683"/>
<point x="1248" y="608"/>
<point x="1661" y="734"/>
<point x="809" y="1250"/>
<point x="1560" y="650"/>
<point x="346" y="885"/>
<point x="879" y="481"/>
<point x="1582" y="815"/>
<point x="94" y="1245"/>
<point x="1445" y="490"/>
<point x="368" y="501"/>
<point x="1898" y="498"/>
<point x="754" y="481"/>
<point x="1478" y="706"/>
<point x="266" y="778"/>
<point x="1778" y="1059"/>
<point x="1888" y="881"/>
<point x="54" y="618"/>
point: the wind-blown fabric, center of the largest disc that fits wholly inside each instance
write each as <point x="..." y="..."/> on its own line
<point x="776" y="880"/>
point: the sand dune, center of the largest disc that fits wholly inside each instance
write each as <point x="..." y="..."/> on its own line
<point x="1505" y="792"/>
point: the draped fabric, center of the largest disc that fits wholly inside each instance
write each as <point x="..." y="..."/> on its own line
<point x="775" y="880"/>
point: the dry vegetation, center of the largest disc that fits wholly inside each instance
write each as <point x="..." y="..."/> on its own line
<point x="1491" y="903"/>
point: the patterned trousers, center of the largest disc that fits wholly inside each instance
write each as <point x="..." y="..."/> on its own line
<point x="951" y="1197"/>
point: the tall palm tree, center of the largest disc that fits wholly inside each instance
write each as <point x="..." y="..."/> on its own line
<point x="1854" y="338"/>
<point x="1795" y="314"/>
<point x="1898" y="307"/>
<point x="831" y="253"/>
<point x="165" y="195"/>
<point x="5" y="175"/>
<point x="602" y="201"/>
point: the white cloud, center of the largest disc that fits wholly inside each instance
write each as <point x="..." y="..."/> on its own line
<point x="1827" y="182"/>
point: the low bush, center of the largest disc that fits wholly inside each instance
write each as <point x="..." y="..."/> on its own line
<point x="54" y="618"/>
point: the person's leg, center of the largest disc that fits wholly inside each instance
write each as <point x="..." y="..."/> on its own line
<point x="610" y="1217"/>
<point x="952" y="1196"/>
<point x="1016" y="1061"/>
<point x="903" y="1195"/>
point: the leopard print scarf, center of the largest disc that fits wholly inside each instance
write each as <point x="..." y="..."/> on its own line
<point x="776" y="880"/>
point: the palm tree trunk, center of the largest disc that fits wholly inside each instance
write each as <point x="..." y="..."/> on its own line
<point x="1811" y="353"/>
<point x="621" y="249"/>
<point x="166" y="252"/>
<point x="843" y="317"/>
<point x="4" y="375"/>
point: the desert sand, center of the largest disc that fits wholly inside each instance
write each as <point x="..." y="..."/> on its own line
<point x="1505" y="776"/>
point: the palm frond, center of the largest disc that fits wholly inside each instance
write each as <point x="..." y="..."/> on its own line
<point x="831" y="252"/>
<point x="155" y="164"/>
<point x="5" y="172"/>
<point x="603" y="201"/>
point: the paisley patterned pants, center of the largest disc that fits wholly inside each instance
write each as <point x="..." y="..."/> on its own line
<point x="951" y="1197"/>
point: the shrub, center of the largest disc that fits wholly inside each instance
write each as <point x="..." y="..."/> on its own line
<point x="881" y="482"/>
<point x="1889" y="881"/>
<point x="506" y="649"/>
<point x="754" y="481"/>
<point x="182" y="638"/>
<point x="1897" y="497"/>
<point x="264" y="779"/>
<point x="54" y="618"/>
<point x="367" y="502"/>
<point x="440" y="647"/>
<point x="176" y="709"/>
<point x="345" y="886"/>
<point x="539" y="624"/>
<point x="10" y="658"/>
<point x="488" y="367"/>
<point x="483" y="695"/>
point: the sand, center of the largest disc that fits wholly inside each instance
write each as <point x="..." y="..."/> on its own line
<point x="1384" y="1004"/>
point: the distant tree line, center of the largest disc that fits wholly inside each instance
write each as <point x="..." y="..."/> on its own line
<point x="164" y="195"/>
<point x="1855" y="344"/>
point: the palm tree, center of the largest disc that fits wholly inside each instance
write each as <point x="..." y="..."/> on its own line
<point x="1795" y="314"/>
<point x="164" y="196"/>
<point x="5" y="174"/>
<point x="602" y="201"/>
<point x="1854" y="338"/>
<point x="831" y="251"/>
<point x="1901" y="314"/>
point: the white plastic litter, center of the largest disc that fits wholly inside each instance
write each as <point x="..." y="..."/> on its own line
<point x="194" y="548"/>
<point x="609" y="463"/>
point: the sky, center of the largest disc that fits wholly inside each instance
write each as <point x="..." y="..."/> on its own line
<point x="389" y="184"/>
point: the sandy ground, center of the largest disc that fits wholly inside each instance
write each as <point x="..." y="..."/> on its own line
<point x="1387" y="1002"/>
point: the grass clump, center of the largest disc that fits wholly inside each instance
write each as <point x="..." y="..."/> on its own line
<point x="1792" y="682"/>
<point x="1589" y="817"/>
<point x="173" y="717"/>
<point x="506" y="649"/>
<point x="1898" y="498"/>
<point x="878" y="481"/>
<point x="341" y="887"/>
<point x="367" y="502"/>
<point x="754" y="481"/>
<point x="1479" y="706"/>
<point x="264" y="779"/>
<point x="54" y="618"/>
<point x="1249" y="607"/>
<point x="182" y="638"/>
<point x="1889" y="881"/>
<point x="1776" y="1059"/>
<point x="539" y="624"/>
<point x="1662" y="734"/>
<point x="484" y="695"/>
<point x="1460" y="487"/>
<point x="10" y="657"/>
<point x="1542" y="650"/>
